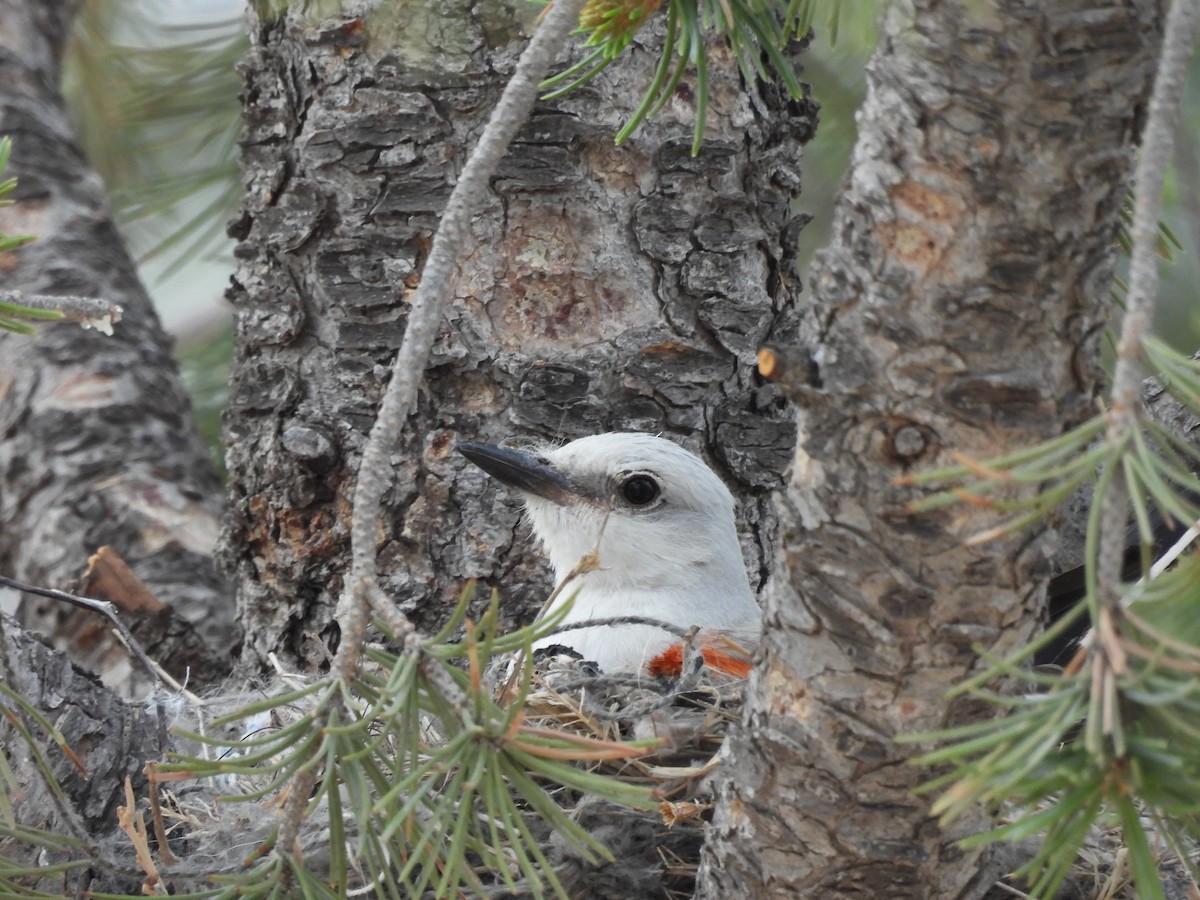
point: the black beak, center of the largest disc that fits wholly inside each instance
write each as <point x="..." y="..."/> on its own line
<point x="523" y="471"/>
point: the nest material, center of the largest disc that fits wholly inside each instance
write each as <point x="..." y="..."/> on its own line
<point x="657" y="852"/>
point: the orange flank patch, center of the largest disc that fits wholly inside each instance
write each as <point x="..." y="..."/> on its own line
<point x="670" y="662"/>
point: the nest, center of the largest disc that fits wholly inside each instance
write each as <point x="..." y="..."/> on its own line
<point x="657" y="852"/>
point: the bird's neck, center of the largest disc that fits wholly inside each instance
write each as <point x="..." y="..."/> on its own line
<point x="689" y="572"/>
<point x="709" y="597"/>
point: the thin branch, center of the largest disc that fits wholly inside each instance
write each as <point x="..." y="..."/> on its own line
<point x="676" y="630"/>
<point x="1157" y="141"/>
<point x="362" y="592"/>
<point x="1176" y="551"/>
<point x="1163" y="563"/>
<point x="101" y="607"/>
<point x="425" y="314"/>
<point x="90" y="312"/>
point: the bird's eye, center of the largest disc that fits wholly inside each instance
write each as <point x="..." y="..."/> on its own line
<point x="639" y="490"/>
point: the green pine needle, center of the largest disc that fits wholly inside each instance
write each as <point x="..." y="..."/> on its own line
<point x="753" y="29"/>
<point x="1135" y="692"/>
<point x="431" y="790"/>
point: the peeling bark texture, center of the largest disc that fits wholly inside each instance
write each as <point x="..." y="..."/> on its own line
<point x="611" y="289"/>
<point x="96" y="441"/>
<point x="956" y="310"/>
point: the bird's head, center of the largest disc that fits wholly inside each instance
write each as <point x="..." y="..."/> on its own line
<point x="659" y="518"/>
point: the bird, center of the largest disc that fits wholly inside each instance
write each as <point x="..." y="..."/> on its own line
<point x="661" y="524"/>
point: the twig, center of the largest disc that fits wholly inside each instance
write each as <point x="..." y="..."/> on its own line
<point x="676" y="630"/>
<point x="130" y="821"/>
<point x="156" y="817"/>
<point x="1157" y="143"/>
<point x="102" y="607"/>
<point x="1164" y="561"/>
<point x="425" y="314"/>
<point x="362" y="592"/>
<point x="589" y="563"/>
<point x="1160" y="565"/>
<point x="91" y="312"/>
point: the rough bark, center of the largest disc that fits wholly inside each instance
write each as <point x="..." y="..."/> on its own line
<point x="955" y="311"/>
<point x="612" y="288"/>
<point x="112" y="742"/>
<point x="96" y="442"/>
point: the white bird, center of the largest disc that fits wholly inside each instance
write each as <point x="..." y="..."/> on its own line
<point x="661" y="523"/>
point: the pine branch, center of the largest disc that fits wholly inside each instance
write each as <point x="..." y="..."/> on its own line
<point x="425" y="315"/>
<point x="90" y="312"/>
<point x="362" y="593"/>
<point x="1124" y="416"/>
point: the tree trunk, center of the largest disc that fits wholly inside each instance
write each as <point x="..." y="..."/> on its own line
<point x="97" y="446"/>
<point x="957" y="311"/>
<point x="611" y="288"/>
<point x="111" y="740"/>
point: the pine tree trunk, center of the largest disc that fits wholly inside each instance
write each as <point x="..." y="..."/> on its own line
<point x="97" y="446"/>
<point x="112" y="741"/>
<point x="611" y="289"/>
<point x="956" y="311"/>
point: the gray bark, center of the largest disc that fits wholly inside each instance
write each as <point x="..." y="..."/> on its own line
<point x="611" y="288"/>
<point x="112" y="741"/>
<point x="956" y="310"/>
<point x="97" y="446"/>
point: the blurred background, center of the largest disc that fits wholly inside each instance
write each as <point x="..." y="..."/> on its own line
<point x="153" y="91"/>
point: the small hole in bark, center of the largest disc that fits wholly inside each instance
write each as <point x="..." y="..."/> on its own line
<point x="905" y="442"/>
